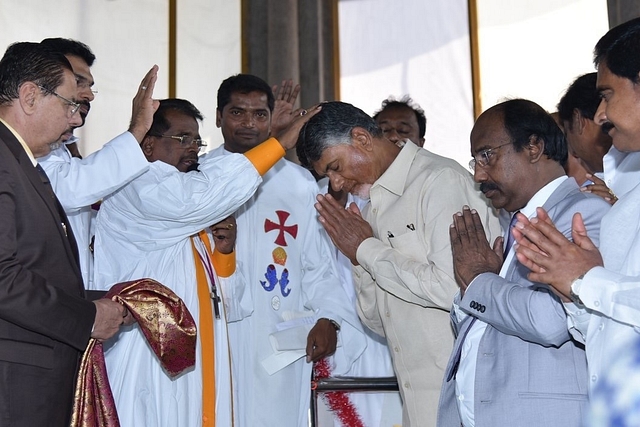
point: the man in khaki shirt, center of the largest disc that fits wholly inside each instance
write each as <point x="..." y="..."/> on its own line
<point x="400" y="245"/>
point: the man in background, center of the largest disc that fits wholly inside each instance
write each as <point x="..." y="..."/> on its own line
<point x="402" y="120"/>
<point x="287" y="261"/>
<point x="613" y="173"/>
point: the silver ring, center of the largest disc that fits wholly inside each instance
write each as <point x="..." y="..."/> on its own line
<point x="143" y="88"/>
<point x="303" y="112"/>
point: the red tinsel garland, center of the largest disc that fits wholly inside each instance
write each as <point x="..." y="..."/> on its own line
<point x="337" y="401"/>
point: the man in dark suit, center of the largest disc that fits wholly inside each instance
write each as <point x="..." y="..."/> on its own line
<point x="45" y="319"/>
<point x="514" y="362"/>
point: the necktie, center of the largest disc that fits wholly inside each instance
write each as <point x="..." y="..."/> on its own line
<point x="64" y="222"/>
<point x="45" y="180"/>
<point x="509" y="239"/>
<point x="458" y="350"/>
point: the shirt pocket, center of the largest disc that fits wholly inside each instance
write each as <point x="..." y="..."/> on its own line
<point x="407" y="243"/>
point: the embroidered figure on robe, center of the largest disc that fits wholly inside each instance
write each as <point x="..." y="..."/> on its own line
<point x="272" y="277"/>
<point x="282" y="218"/>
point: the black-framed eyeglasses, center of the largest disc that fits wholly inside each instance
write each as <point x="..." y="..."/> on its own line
<point x="185" y="140"/>
<point x="483" y="158"/>
<point x="73" y="107"/>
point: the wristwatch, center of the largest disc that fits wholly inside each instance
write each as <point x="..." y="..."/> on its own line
<point x="575" y="298"/>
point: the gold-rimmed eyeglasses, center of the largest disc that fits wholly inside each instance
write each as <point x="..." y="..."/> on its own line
<point x="73" y="107"/>
<point x="185" y="140"/>
<point x="483" y="158"/>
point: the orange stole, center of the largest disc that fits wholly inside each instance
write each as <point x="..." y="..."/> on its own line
<point x="205" y="326"/>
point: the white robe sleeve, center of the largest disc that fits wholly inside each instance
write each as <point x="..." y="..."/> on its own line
<point x="612" y="294"/>
<point x="238" y="302"/>
<point x="325" y="295"/>
<point x="161" y="207"/>
<point x="82" y="182"/>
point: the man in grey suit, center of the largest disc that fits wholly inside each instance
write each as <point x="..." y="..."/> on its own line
<point x="514" y="362"/>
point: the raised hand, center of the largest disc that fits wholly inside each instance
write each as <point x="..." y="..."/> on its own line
<point x="288" y="137"/>
<point x="144" y="106"/>
<point x="283" y="112"/>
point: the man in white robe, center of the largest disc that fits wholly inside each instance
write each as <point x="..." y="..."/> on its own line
<point x="286" y="259"/>
<point x="144" y="230"/>
<point x="78" y="182"/>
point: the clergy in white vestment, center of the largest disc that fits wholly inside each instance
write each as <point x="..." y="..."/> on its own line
<point x="80" y="183"/>
<point x="152" y="228"/>
<point x="286" y="259"/>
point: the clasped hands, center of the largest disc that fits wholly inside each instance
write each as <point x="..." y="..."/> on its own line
<point x="552" y="258"/>
<point x="346" y="227"/>
<point x="472" y="254"/>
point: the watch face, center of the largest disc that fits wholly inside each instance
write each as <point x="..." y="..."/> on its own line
<point x="575" y="297"/>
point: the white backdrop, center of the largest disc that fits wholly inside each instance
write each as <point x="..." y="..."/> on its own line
<point x="128" y="37"/>
<point x="414" y="47"/>
<point x="530" y="49"/>
<point x="537" y="51"/>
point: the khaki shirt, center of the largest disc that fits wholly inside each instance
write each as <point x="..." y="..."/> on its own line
<point x="405" y="283"/>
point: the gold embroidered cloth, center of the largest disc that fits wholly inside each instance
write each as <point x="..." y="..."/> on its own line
<point x="168" y="327"/>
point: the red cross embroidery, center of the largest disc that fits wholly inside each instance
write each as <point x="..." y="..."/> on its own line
<point x="282" y="218"/>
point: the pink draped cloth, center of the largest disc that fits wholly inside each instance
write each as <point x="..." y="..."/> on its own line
<point x="168" y="327"/>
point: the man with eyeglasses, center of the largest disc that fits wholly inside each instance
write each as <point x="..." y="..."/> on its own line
<point x="80" y="183"/>
<point x="514" y="362"/>
<point x="45" y="319"/>
<point x="153" y="227"/>
<point x="399" y="245"/>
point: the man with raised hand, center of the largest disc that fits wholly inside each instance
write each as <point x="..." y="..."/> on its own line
<point x="80" y="183"/>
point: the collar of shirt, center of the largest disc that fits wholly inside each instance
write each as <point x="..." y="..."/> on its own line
<point x="71" y="140"/>
<point x="21" y="141"/>
<point x="396" y="175"/>
<point x="538" y="200"/>
<point x="541" y="197"/>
